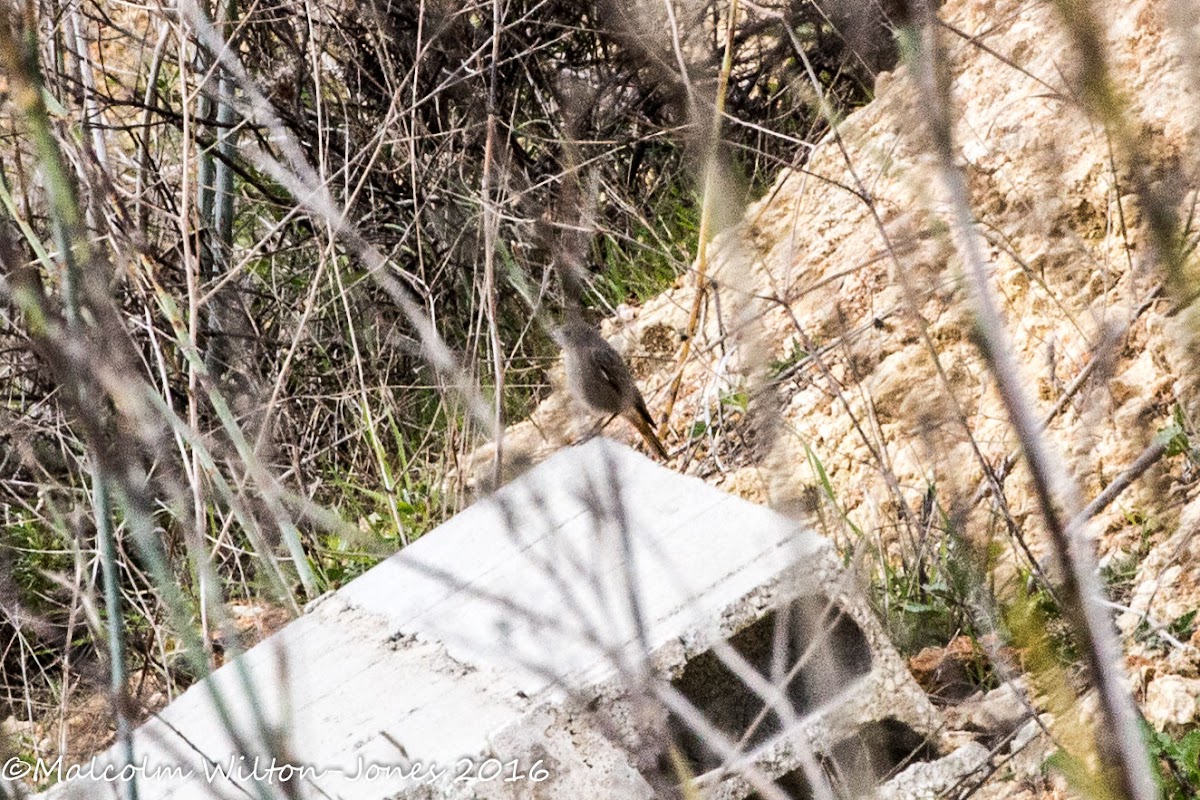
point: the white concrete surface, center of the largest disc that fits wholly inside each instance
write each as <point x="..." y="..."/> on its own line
<point x="484" y="638"/>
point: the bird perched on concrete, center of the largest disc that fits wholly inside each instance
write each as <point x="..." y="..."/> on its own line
<point x="597" y="375"/>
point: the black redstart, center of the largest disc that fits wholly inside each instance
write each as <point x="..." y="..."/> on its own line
<point x="597" y="375"/>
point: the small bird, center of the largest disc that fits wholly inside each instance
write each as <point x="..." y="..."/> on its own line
<point x="597" y="375"/>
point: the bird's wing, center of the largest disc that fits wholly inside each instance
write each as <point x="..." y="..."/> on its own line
<point x="613" y="370"/>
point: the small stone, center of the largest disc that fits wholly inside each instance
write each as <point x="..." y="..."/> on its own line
<point x="930" y="780"/>
<point x="16" y="727"/>
<point x="1172" y="701"/>
<point x="946" y="672"/>
<point x="995" y="713"/>
<point x="1024" y="736"/>
<point x="956" y="739"/>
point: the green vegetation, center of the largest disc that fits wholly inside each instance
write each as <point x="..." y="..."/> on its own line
<point x="777" y="367"/>
<point x="657" y="249"/>
<point x="1179" y="435"/>
<point x="1178" y="759"/>
<point x="929" y="603"/>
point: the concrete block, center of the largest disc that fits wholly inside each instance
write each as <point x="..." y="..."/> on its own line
<point x="502" y="647"/>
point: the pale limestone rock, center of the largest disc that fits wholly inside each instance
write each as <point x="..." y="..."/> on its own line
<point x="1172" y="701"/>
<point x="932" y="779"/>
<point x="996" y="713"/>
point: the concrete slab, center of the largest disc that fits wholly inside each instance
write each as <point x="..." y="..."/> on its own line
<point x="504" y="642"/>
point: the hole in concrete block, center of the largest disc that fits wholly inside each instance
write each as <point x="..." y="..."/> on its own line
<point x="813" y="646"/>
<point x="793" y="784"/>
<point x="860" y="763"/>
<point x="878" y="750"/>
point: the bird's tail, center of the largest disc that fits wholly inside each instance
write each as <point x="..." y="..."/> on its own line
<point x="641" y="420"/>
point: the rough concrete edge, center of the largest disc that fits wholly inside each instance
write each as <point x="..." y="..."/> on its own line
<point x="887" y="691"/>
